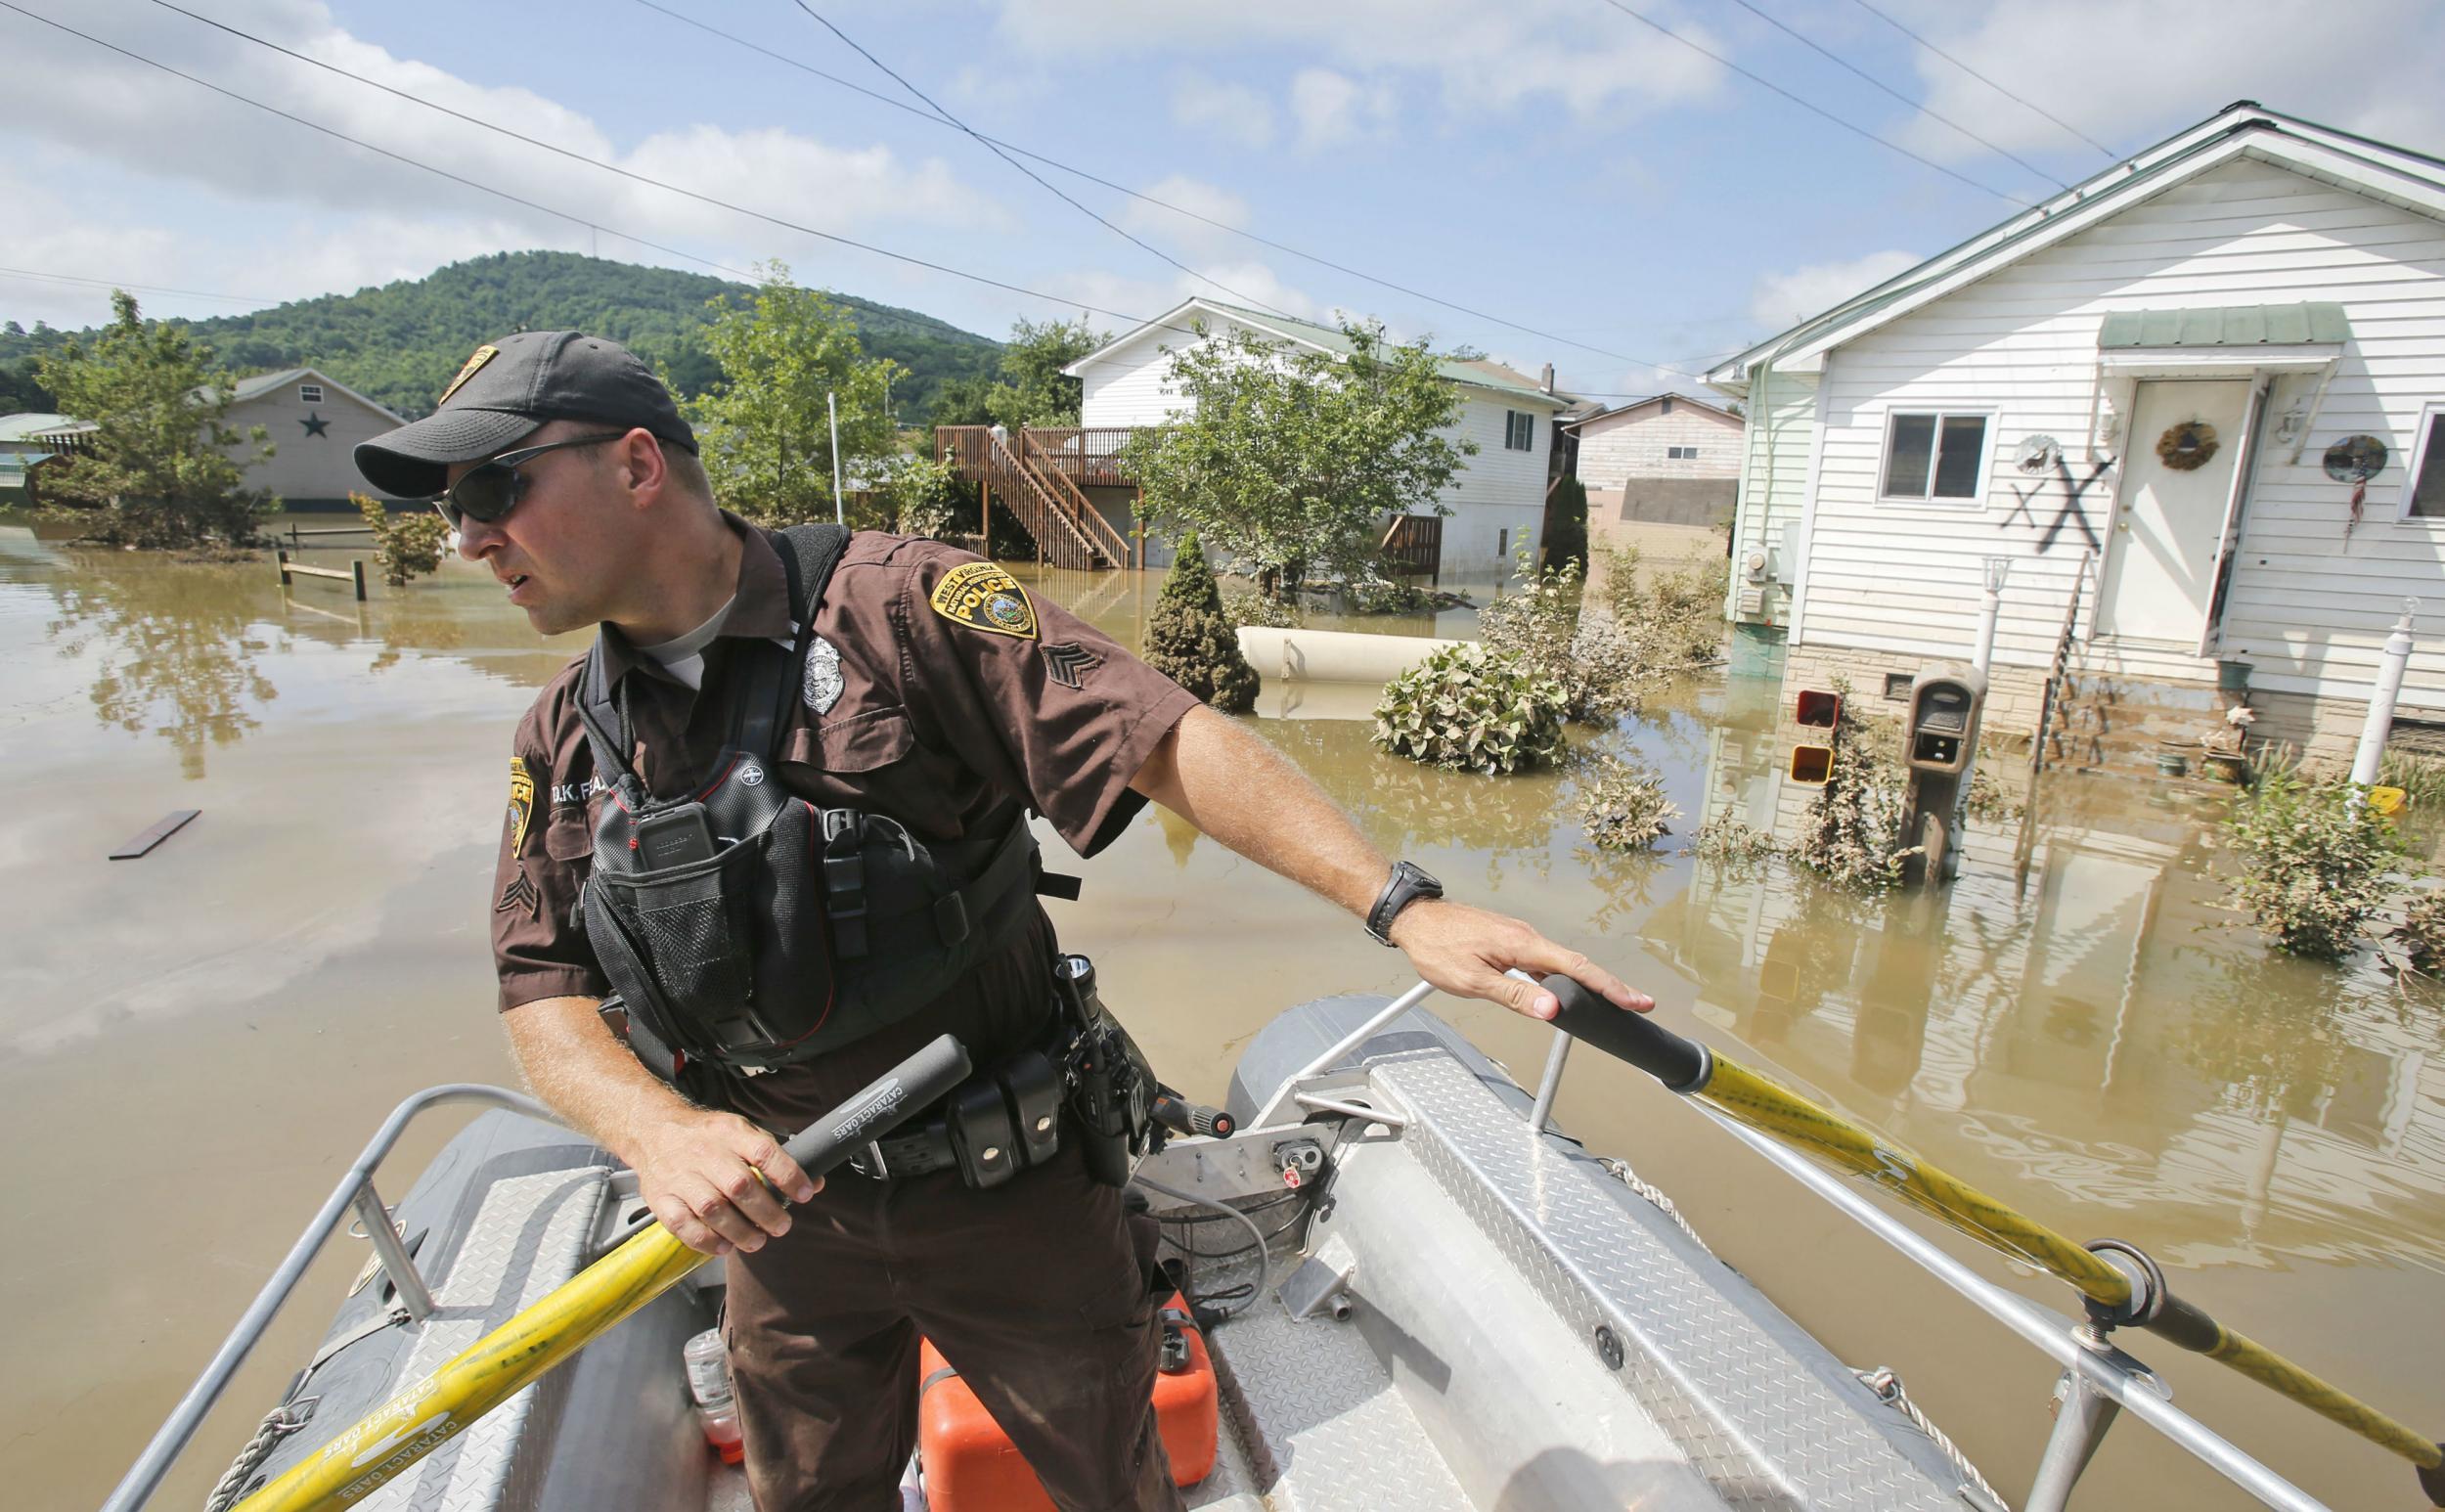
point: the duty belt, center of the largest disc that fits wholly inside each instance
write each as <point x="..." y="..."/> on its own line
<point x="991" y="1126"/>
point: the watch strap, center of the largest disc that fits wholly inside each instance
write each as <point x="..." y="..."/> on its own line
<point x="1406" y="885"/>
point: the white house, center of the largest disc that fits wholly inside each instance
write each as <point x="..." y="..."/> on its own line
<point x="1498" y="504"/>
<point x="1662" y="473"/>
<point x="314" y="425"/>
<point x="2203" y="393"/>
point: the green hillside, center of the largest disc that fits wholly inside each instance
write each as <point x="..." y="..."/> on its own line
<point x="400" y="343"/>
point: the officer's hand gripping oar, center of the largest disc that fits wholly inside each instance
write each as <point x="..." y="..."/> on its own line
<point x="2116" y="1297"/>
<point x="405" y="1429"/>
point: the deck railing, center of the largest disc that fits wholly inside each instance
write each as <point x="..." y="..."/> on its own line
<point x="1062" y="531"/>
<point x="1413" y="547"/>
<point x="2050" y="699"/>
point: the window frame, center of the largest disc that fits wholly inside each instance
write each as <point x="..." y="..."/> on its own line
<point x="310" y="393"/>
<point x="1976" y="499"/>
<point x="1527" y="422"/>
<point x="2416" y="459"/>
<point x="1673" y="453"/>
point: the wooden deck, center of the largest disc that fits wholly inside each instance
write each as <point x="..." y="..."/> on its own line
<point x="1041" y="474"/>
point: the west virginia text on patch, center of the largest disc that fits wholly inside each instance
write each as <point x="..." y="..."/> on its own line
<point x="475" y="359"/>
<point x="982" y="597"/>
<point x="522" y="803"/>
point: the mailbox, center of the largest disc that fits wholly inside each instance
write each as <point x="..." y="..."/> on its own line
<point x="1942" y="728"/>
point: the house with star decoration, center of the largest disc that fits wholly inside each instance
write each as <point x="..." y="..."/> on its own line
<point x="315" y="425"/>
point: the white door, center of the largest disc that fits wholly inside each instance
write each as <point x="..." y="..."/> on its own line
<point x="2160" y="567"/>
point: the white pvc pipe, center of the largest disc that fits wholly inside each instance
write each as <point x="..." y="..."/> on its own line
<point x="1333" y="656"/>
<point x="2389" y="687"/>
<point x="1990" y="608"/>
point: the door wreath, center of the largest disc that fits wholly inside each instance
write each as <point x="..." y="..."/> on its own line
<point x="2188" y="445"/>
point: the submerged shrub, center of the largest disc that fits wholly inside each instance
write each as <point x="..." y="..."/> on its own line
<point x="1677" y="619"/>
<point x="2418" y="941"/>
<point x="1471" y="707"/>
<point x="1624" y="809"/>
<point x="1728" y="837"/>
<point x="1192" y="641"/>
<point x="409" y="544"/>
<point x="2313" y="863"/>
<point x="1603" y="670"/>
<point x="1244" y="607"/>
<point x="1850" y="834"/>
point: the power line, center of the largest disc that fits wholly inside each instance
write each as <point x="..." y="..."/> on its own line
<point x="1039" y="179"/>
<point x="1814" y="109"/>
<point x="149" y="289"/>
<point x="1923" y="109"/>
<point x="724" y="204"/>
<point x="1143" y="197"/>
<point x="1984" y="79"/>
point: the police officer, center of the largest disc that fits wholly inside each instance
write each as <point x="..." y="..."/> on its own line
<point x="935" y="691"/>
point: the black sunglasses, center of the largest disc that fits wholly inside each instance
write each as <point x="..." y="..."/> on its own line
<point x="493" y="487"/>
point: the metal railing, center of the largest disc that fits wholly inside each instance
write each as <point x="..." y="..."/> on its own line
<point x="2099" y="1380"/>
<point x="354" y="1193"/>
<point x="2050" y="699"/>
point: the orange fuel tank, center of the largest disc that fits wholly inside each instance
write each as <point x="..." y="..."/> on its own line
<point x="970" y="1464"/>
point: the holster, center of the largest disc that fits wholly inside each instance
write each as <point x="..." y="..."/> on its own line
<point x="1112" y="1089"/>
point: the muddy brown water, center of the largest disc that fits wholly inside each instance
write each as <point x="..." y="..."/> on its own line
<point x="195" y="1043"/>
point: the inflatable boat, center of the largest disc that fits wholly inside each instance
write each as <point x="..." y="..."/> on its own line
<point x="1399" y="1287"/>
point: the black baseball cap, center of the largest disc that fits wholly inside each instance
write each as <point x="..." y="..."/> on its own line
<point x="505" y="390"/>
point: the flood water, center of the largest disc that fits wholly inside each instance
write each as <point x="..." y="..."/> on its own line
<point x="196" y="1043"/>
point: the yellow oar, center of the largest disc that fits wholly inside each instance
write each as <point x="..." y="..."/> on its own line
<point x="2116" y="1297"/>
<point x="413" y="1424"/>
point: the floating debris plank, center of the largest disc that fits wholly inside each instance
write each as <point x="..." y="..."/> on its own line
<point x="160" y="832"/>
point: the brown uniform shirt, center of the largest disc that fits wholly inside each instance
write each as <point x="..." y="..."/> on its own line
<point x="939" y="692"/>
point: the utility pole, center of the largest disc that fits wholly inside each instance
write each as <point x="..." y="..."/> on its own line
<point x="840" y="504"/>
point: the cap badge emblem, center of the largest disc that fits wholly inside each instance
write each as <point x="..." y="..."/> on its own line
<point x="476" y="360"/>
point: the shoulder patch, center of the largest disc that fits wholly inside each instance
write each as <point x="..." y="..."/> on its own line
<point x="982" y="597"/>
<point x="521" y="804"/>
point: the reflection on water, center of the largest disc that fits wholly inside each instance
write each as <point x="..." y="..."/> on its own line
<point x="2076" y="1025"/>
<point x="170" y="648"/>
<point x="2079" y="1011"/>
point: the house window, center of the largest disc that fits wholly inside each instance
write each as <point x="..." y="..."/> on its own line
<point x="1935" y="455"/>
<point x="1519" y="431"/>
<point x="2424" y="497"/>
<point x="1680" y="453"/>
<point x="309" y="394"/>
<point x="1502" y="544"/>
<point x="1667" y="405"/>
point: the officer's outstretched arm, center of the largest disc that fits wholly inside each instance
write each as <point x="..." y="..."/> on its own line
<point x="697" y="1170"/>
<point x="1225" y="779"/>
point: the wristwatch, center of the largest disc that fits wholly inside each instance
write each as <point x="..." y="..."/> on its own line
<point x="1406" y="885"/>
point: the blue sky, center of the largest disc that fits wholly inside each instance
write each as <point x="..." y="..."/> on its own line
<point x="1552" y="162"/>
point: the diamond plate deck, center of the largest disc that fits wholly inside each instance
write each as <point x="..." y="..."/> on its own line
<point x="529" y="1235"/>
<point x="1755" y="1419"/>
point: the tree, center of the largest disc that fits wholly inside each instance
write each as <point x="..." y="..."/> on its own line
<point x="1292" y="459"/>
<point x="161" y="470"/>
<point x="763" y="426"/>
<point x="1190" y="640"/>
<point x="1029" y="389"/>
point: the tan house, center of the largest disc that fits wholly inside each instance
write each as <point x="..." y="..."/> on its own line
<point x="315" y="425"/>
<point x="1662" y="474"/>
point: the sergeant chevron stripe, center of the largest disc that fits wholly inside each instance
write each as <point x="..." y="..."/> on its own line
<point x="1069" y="662"/>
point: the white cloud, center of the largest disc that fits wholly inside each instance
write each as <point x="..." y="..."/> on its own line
<point x="1333" y="108"/>
<point x="1479" y="57"/>
<point x="75" y="99"/>
<point x="2170" y="64"/>
<point x="1782" y="299"/>
<point x="1252" y="283"/>
<point x="1234" y="112"/>
<point x="1199" y="199"/>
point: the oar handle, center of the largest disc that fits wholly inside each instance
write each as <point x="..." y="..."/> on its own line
<point x="924" y="1077"/>
<point x="1681" y="1065"/>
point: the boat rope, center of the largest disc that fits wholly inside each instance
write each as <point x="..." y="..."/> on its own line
<point x="1886" y="1386"/>
<point x="1622" y="1172"/>
<point x="277" y="1424"/>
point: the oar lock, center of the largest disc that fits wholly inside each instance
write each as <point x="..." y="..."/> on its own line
<point x="2149" y="1291"/>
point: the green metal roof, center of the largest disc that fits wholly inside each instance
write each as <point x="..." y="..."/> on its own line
<point x="2234" y="324"/>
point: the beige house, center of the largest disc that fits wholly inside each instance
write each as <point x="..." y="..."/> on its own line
<point x="315" y="425"/>
<point x="1662" y="474"/>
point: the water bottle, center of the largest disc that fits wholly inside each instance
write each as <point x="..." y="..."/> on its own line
<point x="709" y="1383"/>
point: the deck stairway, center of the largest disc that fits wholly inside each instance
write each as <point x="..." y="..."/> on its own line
<point x="2102" y="718"/>
<point x="1069" y="529"/>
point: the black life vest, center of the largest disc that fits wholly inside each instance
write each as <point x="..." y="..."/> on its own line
<point x="784" y="929"/>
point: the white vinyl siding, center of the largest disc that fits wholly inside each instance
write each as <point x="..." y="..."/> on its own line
<point x="1650" y="441"/>
<point x="1775" y="465"/>
<point x="2308" y="608"/>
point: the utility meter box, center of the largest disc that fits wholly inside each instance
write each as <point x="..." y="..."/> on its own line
<point x="1946" y="701"/>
